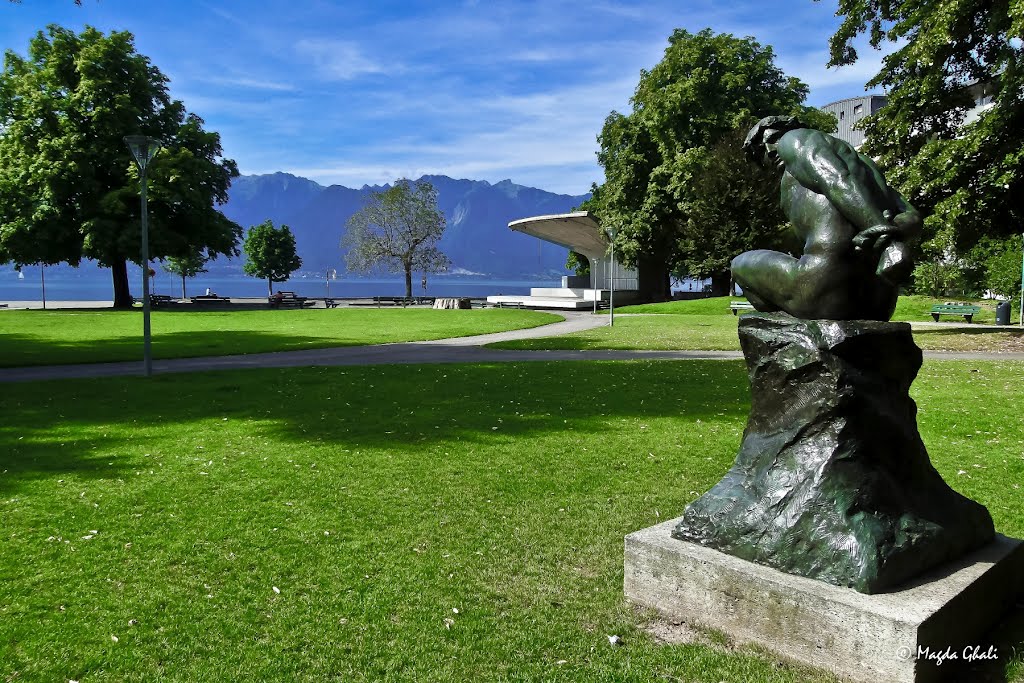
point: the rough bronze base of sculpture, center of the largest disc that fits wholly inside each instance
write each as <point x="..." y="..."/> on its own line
<point x="832" y="480"/>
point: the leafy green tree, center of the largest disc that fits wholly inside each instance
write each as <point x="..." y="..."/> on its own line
<point x="68" y="186"/>
<point x="937" y="277"/>
<point x="1004" y="270"/>
<point x="397" y="230"/>
<point x="1000" y="260"/>
<point x="705" y="87"/>
<point x="577" y="263"/>
<point x="730" y="205"/>
<point x="186" y="266"/>
<point x="968" y="177"/>
<point x="271" y="253"/>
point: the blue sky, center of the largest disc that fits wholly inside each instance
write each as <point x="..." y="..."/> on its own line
<point x="360" y="93"/>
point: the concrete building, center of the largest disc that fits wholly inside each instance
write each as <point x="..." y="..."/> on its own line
<point x="579" y="232"/>
<point x="853" y="109"/>
<point x="850" y="111"/>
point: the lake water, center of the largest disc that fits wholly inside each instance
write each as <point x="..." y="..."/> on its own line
<point x="91" y="283"/>
<point x="94" y="284"/>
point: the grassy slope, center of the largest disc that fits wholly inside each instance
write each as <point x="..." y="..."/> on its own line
<point x="707" y="324"/>
<point x="378" y="501"/>
<point x="89" y="336"/>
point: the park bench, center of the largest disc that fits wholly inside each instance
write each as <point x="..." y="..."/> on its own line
<point x="154" y="299"/>
<point x="288" y="300"/>
<point x="737" y="306"/>
<point x="330" y="303"/>
<point x="210" y="299"/>
<point x="966" y="310"/>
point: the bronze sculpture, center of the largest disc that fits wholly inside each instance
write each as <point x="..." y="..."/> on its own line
<point x="853" y="226"/>
<point x="832" y="480"/>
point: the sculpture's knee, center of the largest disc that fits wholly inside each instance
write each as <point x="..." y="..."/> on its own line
<point x="742" y="267"/>
<point x="748" y="271"/>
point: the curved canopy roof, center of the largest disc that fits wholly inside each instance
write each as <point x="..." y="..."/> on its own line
<point x="577" y="231"/>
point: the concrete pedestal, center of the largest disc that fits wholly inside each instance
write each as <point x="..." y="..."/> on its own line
<point x="899" y="636"/>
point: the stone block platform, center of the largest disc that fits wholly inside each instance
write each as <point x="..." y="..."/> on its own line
<point x="899" y="636"/>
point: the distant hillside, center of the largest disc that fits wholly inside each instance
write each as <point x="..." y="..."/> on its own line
<point x="477" y="238"/>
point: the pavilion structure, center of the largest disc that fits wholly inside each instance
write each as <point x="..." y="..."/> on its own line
<point x="579" y="232"/>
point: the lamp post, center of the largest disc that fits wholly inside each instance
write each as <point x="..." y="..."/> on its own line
<point x="611" y="281"/>
<point x="144" y="148"/>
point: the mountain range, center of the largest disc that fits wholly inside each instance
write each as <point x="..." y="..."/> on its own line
<point x="477" y="238"/>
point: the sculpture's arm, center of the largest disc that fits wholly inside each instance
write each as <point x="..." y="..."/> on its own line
<point x="850" y="181"/>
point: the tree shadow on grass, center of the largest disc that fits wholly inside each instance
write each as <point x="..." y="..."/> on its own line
<point x="395" y="407"/>
<point x="51" y="428"/>
<point x="21" y="350"/>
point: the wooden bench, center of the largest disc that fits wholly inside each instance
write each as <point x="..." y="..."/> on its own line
<point x="966" y="310"/>
<point x="737" y="306"/>
<point x="154" y="299"/>
<point x="210" y="299"/>
<point x="288" y="300"/>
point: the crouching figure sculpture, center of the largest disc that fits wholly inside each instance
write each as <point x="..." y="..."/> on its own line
<point x="832" y="480"/>
<point x="853" y="226"/>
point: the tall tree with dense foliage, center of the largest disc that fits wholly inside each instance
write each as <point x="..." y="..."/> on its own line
<point x="730" y="206"/>
<point x="397" y="231"/>
<point x="68" y="186"/>
<point x="968" y="176"/>
<point x="706" y="87"/>
<point x="271" y="253"/>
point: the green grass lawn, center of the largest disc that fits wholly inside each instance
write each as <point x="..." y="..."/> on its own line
<point x="37" y="337"/>
<point x="427" y="523"/>
<point x="707" y="324"/>
<point x="909" y="308"/>
<point x="647" y="332"/>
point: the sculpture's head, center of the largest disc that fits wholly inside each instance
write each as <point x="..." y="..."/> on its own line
<point x="760" y="145"/>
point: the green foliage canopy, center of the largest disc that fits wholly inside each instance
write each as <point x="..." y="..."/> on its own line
<point x="397" y="231"/>
<point x="68" y="186"/>
<point x="706" y="87"/>
<point x="969" y="178"/>
<point x="1002" y="261"/>
<point x="271" y="253"/>
<point x="577" y="263"/>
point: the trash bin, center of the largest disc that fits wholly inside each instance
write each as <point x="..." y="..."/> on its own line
<point x="1003" y="313"/>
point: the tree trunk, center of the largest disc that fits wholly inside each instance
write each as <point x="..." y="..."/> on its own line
<point x="119" y="276"/>
<point x="720" y="283"/>
<point x="270" y="287"/>
<point x="182" y="286"/>
<point x="653" y="280"/>
<point x="408" y="281"/>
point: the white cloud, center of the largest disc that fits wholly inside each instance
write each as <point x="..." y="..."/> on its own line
<point x="338" y="59"/>
<point x="251" y="84"/>
<point x="500" y="90"/>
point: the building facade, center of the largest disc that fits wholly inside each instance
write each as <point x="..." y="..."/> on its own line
<point x="849" y="112"/>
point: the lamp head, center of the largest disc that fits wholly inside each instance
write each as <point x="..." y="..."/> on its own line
<point x="143" y="148"/>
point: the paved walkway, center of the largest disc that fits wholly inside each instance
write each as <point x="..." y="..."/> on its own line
<point x="454" y="350"/>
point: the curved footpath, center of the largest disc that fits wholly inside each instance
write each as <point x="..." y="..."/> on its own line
<point x="455" y="350"/>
